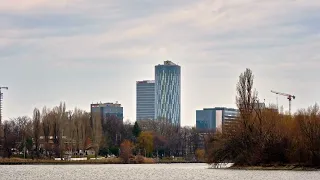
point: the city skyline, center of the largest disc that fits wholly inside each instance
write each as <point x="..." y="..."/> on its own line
<point x="81" y="52"/>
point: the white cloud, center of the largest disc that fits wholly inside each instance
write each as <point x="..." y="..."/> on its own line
<point x="24" y="5"/>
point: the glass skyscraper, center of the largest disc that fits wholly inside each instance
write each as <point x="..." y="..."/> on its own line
<point x="168" y="92"/>
<point x="145" y="100"/>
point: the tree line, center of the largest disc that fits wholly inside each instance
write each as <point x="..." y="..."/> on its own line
<point x="58" y="132"/>
<point x="48" y="133"/>
<point x="263" y="136"/>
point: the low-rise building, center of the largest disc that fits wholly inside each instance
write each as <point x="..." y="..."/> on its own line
<point x="214" y="118"/>
<point x="108" y="109"/>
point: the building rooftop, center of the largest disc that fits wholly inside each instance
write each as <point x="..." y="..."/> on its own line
<point x="145" y="81"/>
<point x="168" y="63"/>
<point x="221" y="108"/>
<point x="106" y="104"/>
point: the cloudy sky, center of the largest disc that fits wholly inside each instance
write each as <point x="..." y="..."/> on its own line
<point x="83" y="51"/>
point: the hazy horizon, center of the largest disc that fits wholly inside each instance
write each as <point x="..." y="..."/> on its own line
<point x="81" y="52"/>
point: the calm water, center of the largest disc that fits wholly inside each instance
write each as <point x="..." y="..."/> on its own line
<point x="144" y="172"/>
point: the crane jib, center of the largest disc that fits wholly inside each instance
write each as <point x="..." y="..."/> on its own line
<point x="289" y="97"/>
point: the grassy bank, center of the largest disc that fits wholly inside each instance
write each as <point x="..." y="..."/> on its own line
<point x="165" y="161"/>
<point x="20" y="161"/>
<point x="16" y="161"/>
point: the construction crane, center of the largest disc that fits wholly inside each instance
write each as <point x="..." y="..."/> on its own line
<point x="289" y="97"/>
<point x="1" y="97"/>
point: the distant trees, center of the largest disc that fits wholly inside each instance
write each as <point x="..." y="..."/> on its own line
<point x="46" y="129"/>
<point x="112" y="129"/>
<point x="24" y="125"/>
<point x="145" y="141"/>
<point x="308" y="142"/>
<point x="126" y="150"/>
<point x="127" y="131"/>
<point x="96" y="131"/>
<point x="56" y="132"/>
<point x="170" y="140"/>
<point x="200" y="154"/>
<point x="10" y="137"/>
<point x="263" y="135"/>
<point x="36" y="131"/>
<point x="48" y="133"/>
<point x="159" y="144"/>
<point x="136" y="130"/>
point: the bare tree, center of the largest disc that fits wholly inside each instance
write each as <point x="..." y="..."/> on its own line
<point x="10" y="132"/>
<point x="87" y="133"/>
<point x="63" y="117"/>
<point x="46" y="117"/>
<point x="71" y="131"/>
<point x="77" y="115"/>
<point x="36" y="130"/>
<point x="112" y="128"/>
<point x="127" y="130"/>
<point x="59" y="119"/>
<point x="22" y="123"/>
<point x="309" y="123"/>
<point x="246" y="96"/>
<point x="83" y="129"/>
<point x="97" y="131"/>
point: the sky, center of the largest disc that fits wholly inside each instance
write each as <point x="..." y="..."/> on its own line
<point x="84" y="51"/>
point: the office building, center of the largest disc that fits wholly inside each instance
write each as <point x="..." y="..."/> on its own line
<point x="108" y="109"/>
<point x="168" y="92"/>
<point x="214" y="118"/>
<point x="145" y="99"/>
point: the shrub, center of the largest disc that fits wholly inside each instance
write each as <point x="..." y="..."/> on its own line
<point x="126" y="151"/>
<point x="200" y="154"/>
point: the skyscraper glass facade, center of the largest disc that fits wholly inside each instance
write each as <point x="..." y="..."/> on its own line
<point x="168" y="92"/>
<point x="145" y="107"/>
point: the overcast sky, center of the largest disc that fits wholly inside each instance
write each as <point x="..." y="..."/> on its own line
<point x="83" y="51"/>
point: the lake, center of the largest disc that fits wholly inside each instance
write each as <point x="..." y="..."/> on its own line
<point x="144" y="172"/>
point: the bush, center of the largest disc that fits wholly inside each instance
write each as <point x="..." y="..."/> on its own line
<point x="139" y="159"/>
<point x="126" y="151"/>
<point x="200" y="154"/>
<point x="114" y="151"/>
<point x="143" y="160"/>
<point x="103" y="151"/>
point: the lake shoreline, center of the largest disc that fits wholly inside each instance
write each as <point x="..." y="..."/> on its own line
<point x="270" y="167"/>
<point x="144" y="172"/>
<point x="276" y="168"/>
<point x="84" y="162"/>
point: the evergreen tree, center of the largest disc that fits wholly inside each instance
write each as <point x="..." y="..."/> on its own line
<point x="136" y="130"/>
